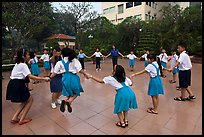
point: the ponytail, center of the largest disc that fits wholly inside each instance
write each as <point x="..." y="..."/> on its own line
<point x="160" y="66"/>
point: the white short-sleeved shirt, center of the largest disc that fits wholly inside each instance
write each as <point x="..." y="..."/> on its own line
<point x="174" y="58"/>
<point x="20" y="71"/>
<point x="163" y="57"/>
<point x="45" y="57"/>
<point x="185" y="62"/>
<point x="98" y="54"/>
<point x="74" y="66"/>
<point x="145" y="56"/>
<point x="113" y="82"/>
<point x="32" y="60"/>
<point x="152" y="70"/>
<point x="131" y="56"/>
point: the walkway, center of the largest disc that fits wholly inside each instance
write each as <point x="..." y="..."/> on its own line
<point x="93" y="110"/>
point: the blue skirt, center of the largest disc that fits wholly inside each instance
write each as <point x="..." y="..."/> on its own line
<point x="155" y="86"/>
<point x="146" y="63"/>
<point x="175" y="70"/>
<point x="35" y="69"/>
<point x="71" y="85"/>
<point x="46" y="65"/>
<point x="163" y="64"/>
<point x="131" y="62"/>
<point x="125" y="99"/>
<point x="56" y="84"/>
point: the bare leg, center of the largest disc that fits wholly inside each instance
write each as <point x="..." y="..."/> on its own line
<point x="26" y="108"/>
<point x="189" y="91"/>
<point x="71" y="99"/>
<point x="155" y="101"/>
<point x="120" y="116"/>
<point x="54" y="97"/>
<point x="125" y="115"/>
<point x="18" y="111"/>
<point x="183" y="91"/>
<point x="174" y="77"/>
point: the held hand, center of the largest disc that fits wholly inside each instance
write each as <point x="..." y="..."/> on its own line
<point x="170" y="70"/>
<point x="86" y="75"/>
<point x="47" y="79"/>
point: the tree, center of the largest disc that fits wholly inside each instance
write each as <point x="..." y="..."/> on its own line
<point x="81" y="13"/>
<point x="24" y="20"/>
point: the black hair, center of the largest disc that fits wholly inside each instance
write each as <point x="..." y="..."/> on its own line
<point x="65" y="52"/>
<point x="44" y="50"/>
<point x="32" y="54"/>
<point x="57" y="49"/>
<point x="21" y="53"/>
<point x="71" y="55"/>
<point x="120" y="73"/>
<point x="183" y="45"/>
<point x="156" y="58"/>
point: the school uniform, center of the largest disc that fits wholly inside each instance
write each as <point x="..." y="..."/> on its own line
<point x="56" y="81"/>
<point x="34" y="66"/>
<point x="16" y="89"/>
<point x="164" y="59"/>
<point x="114" y="55"/>
<point x="146" y="60"/>
<point x="155" y="85"/>
<point x="131" y="59"/>
<point x="81" y="57"/>
<point x="173" y="63"/>
<point x="46" y="60"/>
<point x="125" y="98"/>
<point x="184" y="70"/>
<point x="70" y="80"/>
<point x="98" y="58"/>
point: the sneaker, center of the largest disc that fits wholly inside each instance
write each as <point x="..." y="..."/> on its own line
<point x="58" y="101"/>
<point x="53" y="105"/>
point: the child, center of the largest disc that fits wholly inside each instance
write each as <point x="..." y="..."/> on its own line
<point x="34" y="65"/>
<point x="56" y="81"/>
<point x="81" y="57"/>
<point x="131" y="57"/>
<point x="164" y="59"/>
<point x="46" y="59"/>
<point x="184" y="66"/>
<point x="125" y="98"/>
<point x="98" y="56"/>
<point x="155" y="88"/>
<point x="145" y="58"/>
<point x="71" y="86"/>
<point x="173" y="59"/>
<point x="17" y="91"/>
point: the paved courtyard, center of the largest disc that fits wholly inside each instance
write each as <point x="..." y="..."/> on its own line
<point x="93" y="110"/>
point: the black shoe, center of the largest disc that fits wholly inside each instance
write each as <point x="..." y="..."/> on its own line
<point x="62" y="106"/>
<point x="190" y="97"/>
<point x="69" y="108"/>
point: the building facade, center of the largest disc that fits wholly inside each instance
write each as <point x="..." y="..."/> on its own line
<point x="116" y="12"/>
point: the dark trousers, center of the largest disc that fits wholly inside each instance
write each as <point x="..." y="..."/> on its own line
<point x="98" y="62"/>
<point x="114" y="61"/>
<point x="81" y="60"/>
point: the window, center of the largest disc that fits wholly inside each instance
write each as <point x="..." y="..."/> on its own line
<point x="105" y="11"/>
<point x="109" y="10"/>
<point x="129" y="5"/>
<point x="120" y="9"/>
<point x="146" y="3"/>
<point x="139" y="16"/>
<point x="150" y="4"/>
<point x="137" y="3"/>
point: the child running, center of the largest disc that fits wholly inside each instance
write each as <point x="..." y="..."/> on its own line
<point x="69" y="66"/>
<point x="184" y="64"/>
<point x="17" y="92"/>
<point x="173" y="59"/>
<point x="56" y="81"/>
<point x="155" y="88"/>
<point x="34" y="65"/>
<point x="46" y="62"/>
<point x="132" y="58"/>
<point x="125" y="98"/>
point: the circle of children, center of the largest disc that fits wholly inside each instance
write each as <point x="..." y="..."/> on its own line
<point x="65" y="81"/>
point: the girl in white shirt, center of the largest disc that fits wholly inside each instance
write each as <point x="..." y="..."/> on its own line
<point x="155" y="88"/>
<point x="145" y="58"/>
<point x="132" y="58"/>
<point x="98" y="56"/>
<point x="125" y="98"/>
<point x="69" y="66"/>
<point x="46" y="62"/>
<point x="164" y="59"/>
<point x="17" y="91"/>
